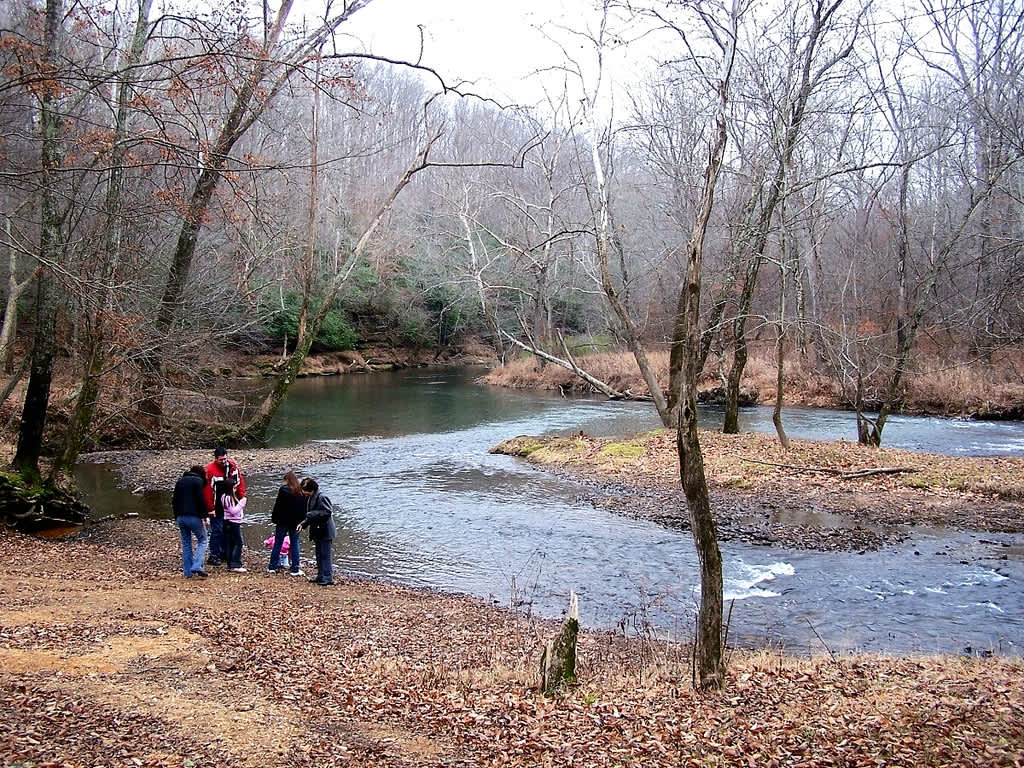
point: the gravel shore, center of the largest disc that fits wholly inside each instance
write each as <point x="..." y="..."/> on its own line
<point x="158" y="470"/>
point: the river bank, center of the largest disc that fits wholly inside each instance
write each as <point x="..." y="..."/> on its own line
<point x="817" y="495"/>
<point x="935" y="386"/>
<point x="110" y="657"/>
<point x="141" y="471"/>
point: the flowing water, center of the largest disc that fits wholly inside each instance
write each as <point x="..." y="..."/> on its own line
<point x="422" y="502"/>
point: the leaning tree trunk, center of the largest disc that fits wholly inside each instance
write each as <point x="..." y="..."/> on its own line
<point x="662" y="404"/>
<point x="251" y="98"/>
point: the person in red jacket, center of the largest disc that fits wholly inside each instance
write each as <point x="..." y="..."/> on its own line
<point x="217" y="471"/>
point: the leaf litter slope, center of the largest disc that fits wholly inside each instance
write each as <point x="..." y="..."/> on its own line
<point x="109" y="658"/>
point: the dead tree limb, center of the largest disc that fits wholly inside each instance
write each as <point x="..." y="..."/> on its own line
<point x="570" y="365"/>
<point x="837" y="472"/>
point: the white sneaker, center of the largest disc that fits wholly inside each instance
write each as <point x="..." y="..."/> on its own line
<point x="238" y="570"/>
<point x="299" y="572"/>
<point x="271" y="570"/>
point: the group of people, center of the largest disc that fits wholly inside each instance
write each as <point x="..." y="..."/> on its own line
<point x="209" y="508"/>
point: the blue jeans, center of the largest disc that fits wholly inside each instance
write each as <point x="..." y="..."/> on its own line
<point x="188" y="527"/>
<point x="217" y="553"/>
<point x="324" y="568"/>
<point x="233" y="544"/>
<point x="280" y="531"/>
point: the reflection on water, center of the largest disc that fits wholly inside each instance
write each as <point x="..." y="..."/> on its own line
<point x="422" y="502"/>
<point x="99" y="486"/>
<point x="421" y="401"/>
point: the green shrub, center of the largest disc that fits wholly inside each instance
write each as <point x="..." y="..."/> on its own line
<point x="335" y="331"/>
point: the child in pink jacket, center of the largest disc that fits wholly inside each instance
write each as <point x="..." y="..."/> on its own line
<point x="234" y="514"/>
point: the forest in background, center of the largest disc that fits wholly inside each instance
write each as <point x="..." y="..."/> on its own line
<point x="179" y="182"/>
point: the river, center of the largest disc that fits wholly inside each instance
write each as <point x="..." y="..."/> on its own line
<point x="423" y="503"/>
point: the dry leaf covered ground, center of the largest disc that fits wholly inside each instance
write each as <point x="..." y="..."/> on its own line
<point x="108" y="657"/>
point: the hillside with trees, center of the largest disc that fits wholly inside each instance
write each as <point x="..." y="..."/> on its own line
<point x="247" y="179"/>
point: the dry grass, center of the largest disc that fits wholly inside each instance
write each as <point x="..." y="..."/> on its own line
<point x="756" y="460"/>
<point x="964" y="389"/>
<point x="617" y="369"/>
<point x="935" y="386"/>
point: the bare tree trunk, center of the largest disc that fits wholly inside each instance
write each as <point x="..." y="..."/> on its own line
<point x="307" y="283"/>
<point x="731" y="423"/>
<point x="685" y="348"/>
<point x="481" y="289"/>
<point x="85" y="404"/>
<point x="37" y="394"/>
<point x="780" y="338"/>
<point x="15" y="291"/>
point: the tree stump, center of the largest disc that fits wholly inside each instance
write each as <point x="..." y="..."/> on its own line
<point x="558" y="661"/>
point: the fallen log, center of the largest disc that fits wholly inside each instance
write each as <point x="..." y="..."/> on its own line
<point x="846" y="474"/>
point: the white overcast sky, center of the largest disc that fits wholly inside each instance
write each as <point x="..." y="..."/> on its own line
<point x="496" y="44"/>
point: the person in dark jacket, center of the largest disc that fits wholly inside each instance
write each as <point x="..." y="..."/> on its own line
<point x="188" y="503"/>
<point x="289" y="511"/>
<point x="320" y="521"/>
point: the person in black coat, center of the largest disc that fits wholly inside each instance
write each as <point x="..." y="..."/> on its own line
<point x="320" y="521"/>
<point x="188" y="502"/>
<point x="289" y="511"/>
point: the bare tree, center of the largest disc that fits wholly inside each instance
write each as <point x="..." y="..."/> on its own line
<point x="37" y="395"/>
<point x="933" y="226"/>
<point x="812" y="61"/>
<point x="710" y="664"/>
<point x="100" y="315"/>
